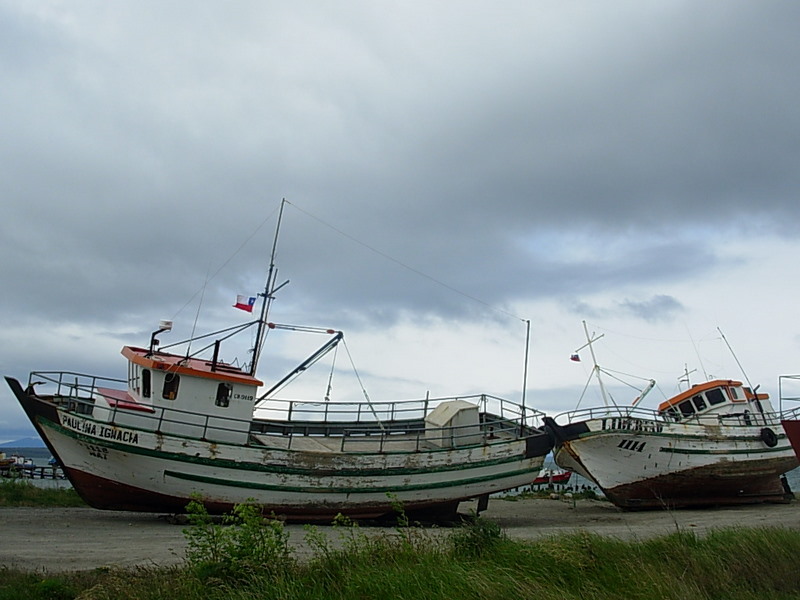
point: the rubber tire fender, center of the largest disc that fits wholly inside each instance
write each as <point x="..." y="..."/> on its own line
<point x="769" y="437"/>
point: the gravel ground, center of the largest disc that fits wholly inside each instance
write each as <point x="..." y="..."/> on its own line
<point x="70" y="539"/>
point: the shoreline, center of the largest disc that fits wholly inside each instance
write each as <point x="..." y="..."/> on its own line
<point x="74" y="539"/>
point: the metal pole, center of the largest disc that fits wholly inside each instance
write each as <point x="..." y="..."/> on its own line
<point x="267" y="295"/>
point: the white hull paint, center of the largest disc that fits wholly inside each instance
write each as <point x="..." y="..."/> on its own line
<point x="130" y="468"/>
<point x="647" y="463"/>
<point x="182" y="426"/>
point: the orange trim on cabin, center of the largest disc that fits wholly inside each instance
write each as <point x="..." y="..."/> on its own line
<point x="708" y="385"/>
<point x="194" y="367"/>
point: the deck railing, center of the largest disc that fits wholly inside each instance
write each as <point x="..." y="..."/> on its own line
<point x="354" y="423"/>
<point x="789" y="394"/>
<point x="629" y="417"/>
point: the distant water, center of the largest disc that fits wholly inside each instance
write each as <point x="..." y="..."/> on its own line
<point x="41" y="458"/>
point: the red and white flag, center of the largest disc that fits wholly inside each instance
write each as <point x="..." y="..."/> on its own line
<point x="245" y="303"/>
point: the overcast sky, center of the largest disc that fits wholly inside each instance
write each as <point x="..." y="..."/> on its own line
<point x="454" y="169"/>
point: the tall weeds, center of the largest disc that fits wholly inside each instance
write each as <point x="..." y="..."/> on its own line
<point x="249" y="557"/>
<point x="21" y="492"/>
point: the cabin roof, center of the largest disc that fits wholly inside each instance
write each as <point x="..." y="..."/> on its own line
<point x="702" y="387"/>
<point x="194" y="367"/>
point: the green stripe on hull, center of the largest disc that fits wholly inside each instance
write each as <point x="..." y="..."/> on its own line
<point x="276" y="469"/>
<point x="342" y="490"/>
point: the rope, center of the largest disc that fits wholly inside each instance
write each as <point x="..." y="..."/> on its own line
<point x="225" y="264"/>
<point x="363" y="389"/>
<point x="405" y="266"/>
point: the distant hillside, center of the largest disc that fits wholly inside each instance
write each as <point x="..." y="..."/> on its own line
<point x="28" y="442"/>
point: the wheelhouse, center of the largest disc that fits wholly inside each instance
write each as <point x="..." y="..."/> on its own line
<point x="718" y="397"/>
<point x="194" y="389"/>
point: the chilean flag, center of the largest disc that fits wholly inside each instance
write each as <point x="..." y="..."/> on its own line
<point x="245" y="303"/>
<point x="575" y="358"/>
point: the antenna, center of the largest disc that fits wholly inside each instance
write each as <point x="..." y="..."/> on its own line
<point x="746" y="378"/>
<point x="685" y="377"/>
<point x="697" y="353"/>
<point x="197" y="316"/>
<point x="525" y="368"/>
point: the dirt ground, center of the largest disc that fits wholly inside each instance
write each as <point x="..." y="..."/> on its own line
<point x="69" y="539"/>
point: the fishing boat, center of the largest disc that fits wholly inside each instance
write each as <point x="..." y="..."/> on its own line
<point x="552" y="477"/>
<point x="717" y="443"/>
<point x="6" y="461"/>
<point x="15" y="465"/>
<point x="182" y="426"/>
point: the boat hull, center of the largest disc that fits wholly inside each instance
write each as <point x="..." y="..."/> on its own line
<point x="652" y="464"/>
<point x="561" y="478"/>
<point x="792" y="429"/>
<point x="124" y="468"/>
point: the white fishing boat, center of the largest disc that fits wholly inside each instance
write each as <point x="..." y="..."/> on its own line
<point x="185" y="425"/>
<point x="550" y="477"/>
<point x="718" y="442"/>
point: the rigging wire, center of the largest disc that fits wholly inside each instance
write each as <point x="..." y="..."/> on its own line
<point x="386" y="256"/>
<point x="736" y="358"/>
<point x="405" y="266"/>
<point x="708" y="337"/>
<point x="432" y="279"/>
<point x="197" y="314"/>
<point x="225" y="264"/>
<point x="697" y="353"/>
<point x="363" y="389"/>
<point x="585" y="387"/>
<point x="330" y="376"/>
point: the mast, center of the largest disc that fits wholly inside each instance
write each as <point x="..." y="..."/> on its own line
<point x="589" y="342"/>
<point x="267" y="296"/>
<point x="525" y="366"/>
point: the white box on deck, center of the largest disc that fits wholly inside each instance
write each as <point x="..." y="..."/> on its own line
<point x="453" y="423"/>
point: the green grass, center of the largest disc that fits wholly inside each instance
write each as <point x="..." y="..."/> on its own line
<point x="21" y="492"/>
<point x="477" y="562"/>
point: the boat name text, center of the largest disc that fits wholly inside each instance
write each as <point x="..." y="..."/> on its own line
<point x="99" y="430"/>
<point x="631" y="424"/>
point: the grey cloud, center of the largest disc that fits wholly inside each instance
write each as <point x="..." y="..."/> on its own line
<point x="657" y="308"/>
<point x="144" y="143"/>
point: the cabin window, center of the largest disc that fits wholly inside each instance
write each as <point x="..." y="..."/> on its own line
<point x="734" y="392"/>
<point x="715" y="396"/>
<point x="224" y="394"/>
<point x="673" y="414"/>
<point x="686" y="408"/>
<point x="146" y="383"/>
<point x="699" y="403"/>
<point x="171" y="382"/>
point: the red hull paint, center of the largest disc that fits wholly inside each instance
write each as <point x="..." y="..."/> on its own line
<point x="559" y="479"/>
<point x="792" y="429"/>
<point x="713" y="485"/>
<point x="699" y="487"/>
<point x="105" y="494"/>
